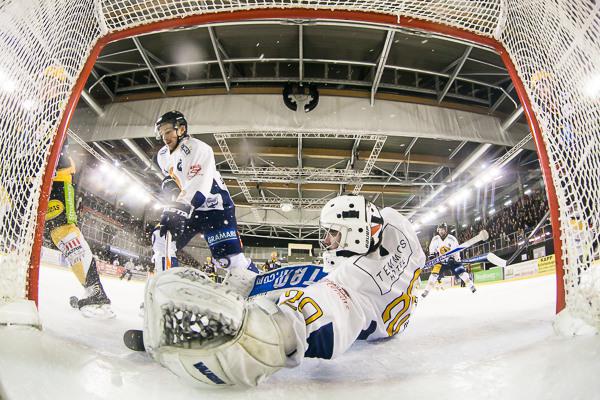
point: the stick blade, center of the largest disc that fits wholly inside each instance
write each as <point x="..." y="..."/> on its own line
<point x="494" y="259"/>
<point x="483" y="235"/>
<point x="134" y="340"/>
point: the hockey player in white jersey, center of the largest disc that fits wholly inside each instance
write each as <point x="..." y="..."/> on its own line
<point x="203" y="204"/>
<point x="206" y="334"/>
<point x="440" y="245"/>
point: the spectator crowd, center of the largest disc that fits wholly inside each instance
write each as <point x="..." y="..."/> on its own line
<point x="520" y="217"/>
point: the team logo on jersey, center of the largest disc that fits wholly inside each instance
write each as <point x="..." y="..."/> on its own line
<point x="221" y="236"/>
<point x="393" y="264"/>
<point x="194" y="170"/>
<point x="179" y="167"/>
<point x="72" y="249"/>
<point x="185" y="149"/>
<point x="211" y="202"/>
<point x="55" y="208"/>
<point x="163" y="150"/>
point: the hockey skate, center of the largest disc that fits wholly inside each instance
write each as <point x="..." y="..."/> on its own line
<point x="473" y="289"/>
<point x="96" y="304"/>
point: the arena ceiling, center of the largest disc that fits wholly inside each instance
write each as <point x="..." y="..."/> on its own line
<point x="265" y="170"/>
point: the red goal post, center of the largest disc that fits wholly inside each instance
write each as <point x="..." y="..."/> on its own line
<point x="509" y="27"/>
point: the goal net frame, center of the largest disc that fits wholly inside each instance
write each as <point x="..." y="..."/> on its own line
<point x="364" y="12"/>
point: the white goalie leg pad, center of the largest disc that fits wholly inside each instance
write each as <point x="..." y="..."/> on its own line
<point x="223" y="341"/>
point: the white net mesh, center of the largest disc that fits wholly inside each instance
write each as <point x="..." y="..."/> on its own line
<point x="43" y="46"/>
<point x="553" y="43"/>
<point x="555" y="46"/>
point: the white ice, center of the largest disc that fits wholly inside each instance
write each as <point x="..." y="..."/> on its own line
<point x="495" y="344"/>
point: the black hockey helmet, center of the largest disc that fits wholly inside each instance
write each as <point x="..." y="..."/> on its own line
<point x="174" y="117"/>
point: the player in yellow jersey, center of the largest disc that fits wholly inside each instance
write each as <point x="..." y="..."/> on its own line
<point x="61" y="222"/>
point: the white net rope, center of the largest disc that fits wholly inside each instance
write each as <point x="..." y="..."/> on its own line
<point x="555" y="46"/>
<point x="553" y="43"/>
<point x="43" y="47"/>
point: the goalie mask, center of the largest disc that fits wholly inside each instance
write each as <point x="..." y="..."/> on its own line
<point x="349" y="225"/>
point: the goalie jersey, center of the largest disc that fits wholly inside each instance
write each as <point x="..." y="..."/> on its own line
<point x="439" y="246"/>
<point x="364" y="297"/>
<point x="192" y="166"/>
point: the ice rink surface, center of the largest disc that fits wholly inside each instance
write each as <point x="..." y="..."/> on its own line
<point x="495" y="344"/>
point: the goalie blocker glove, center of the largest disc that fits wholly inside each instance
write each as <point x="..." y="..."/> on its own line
<point x="174" y="219"/>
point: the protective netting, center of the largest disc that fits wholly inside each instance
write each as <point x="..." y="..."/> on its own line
<point x="43" y="47"/>
<point x="553" y="43"/>
<point x="555" y="46"/>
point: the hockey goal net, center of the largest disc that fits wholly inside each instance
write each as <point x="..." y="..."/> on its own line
<point x="550" y="47"/>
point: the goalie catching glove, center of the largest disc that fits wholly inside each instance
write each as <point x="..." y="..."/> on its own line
<point x="205" y="333"/>
<point x="174" y="218"/>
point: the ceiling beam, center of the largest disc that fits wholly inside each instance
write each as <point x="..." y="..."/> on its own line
<point x="143" y="157"/>
<point x="153" y="72"/>
<point x="387" y="45"/>
<point x="398" y="165"/>
<point x="103" y="85"/>
<point x="331" y="187"/>
<point x="213" y="40"/>
<point x="301" y="52"/>
<point x="454" y="74"/>
<point x="87" y="97"/>
<point x="299" y="160"/>
<point x="502" y="97"/>
<point x="512" y="118"/>
<point x="337" y="154"/>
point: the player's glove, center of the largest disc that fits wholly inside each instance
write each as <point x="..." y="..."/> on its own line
<point x="169" y="189"/>
<point x="173" y="219"/>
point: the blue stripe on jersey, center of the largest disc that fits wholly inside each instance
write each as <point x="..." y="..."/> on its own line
<point x="364" y="335"/>
<point x="215" y="189"/>
<point x="200" y="366"/>
<point x="199" y="199"/>
<point x="320" y="343"/>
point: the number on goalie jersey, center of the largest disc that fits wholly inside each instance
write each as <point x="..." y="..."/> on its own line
<point x="374" y="259"/>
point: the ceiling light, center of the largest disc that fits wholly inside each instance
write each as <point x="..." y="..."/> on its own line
<point x="508" y="202"/>
<point x="459" y="196"/>
<point x="286" y="207"/>
<point x="592" y="87"/>
<point x="428" y="217"/>
<point x="528" y="191"/>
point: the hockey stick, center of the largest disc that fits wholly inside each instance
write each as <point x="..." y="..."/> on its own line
<point x="168" y="250"/>
<point x="489" y="257"/>
<point x="481" y="236"/>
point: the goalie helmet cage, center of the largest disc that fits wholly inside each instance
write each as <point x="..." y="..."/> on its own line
<point x="551" y="49"/>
